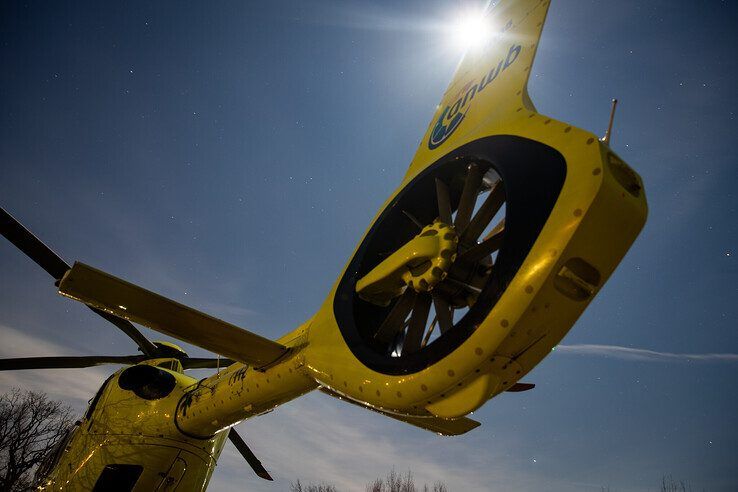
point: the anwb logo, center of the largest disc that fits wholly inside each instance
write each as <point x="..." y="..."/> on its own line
<point x="452" y="116"/>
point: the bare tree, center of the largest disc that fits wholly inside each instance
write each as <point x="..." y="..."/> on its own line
<point x="322" y="487"/>
<point x="395" y="482"/>
<point x="668" y="484"/>
<point x="437" y="487"/>
<point x="30" y="426"/>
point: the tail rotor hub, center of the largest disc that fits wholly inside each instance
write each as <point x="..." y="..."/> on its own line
<point x="424" y="273"/>
<point x="420" y="264"/>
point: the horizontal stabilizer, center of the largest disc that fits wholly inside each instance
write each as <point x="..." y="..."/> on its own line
<point x="115" y="296"/>
<point x="445" y="427"/>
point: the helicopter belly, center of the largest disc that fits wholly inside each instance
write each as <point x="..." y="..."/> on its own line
<point x="132" y="463"/>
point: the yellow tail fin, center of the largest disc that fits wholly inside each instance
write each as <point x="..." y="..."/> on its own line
<point x="490" y="84"/>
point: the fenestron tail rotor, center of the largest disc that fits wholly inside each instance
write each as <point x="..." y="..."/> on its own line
<point x="412" y="296"/>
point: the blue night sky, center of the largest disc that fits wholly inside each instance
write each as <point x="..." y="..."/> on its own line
<point x="230" y="155"/>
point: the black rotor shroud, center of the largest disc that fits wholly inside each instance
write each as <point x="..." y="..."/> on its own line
<point x="532" y="174"/>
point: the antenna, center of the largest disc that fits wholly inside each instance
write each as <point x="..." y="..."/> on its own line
<point x="608" y="133"/>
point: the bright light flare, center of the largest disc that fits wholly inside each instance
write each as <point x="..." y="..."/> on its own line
<point x="471" y="30"/>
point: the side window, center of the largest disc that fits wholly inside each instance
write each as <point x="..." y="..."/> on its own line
<point x="118" y="478"/>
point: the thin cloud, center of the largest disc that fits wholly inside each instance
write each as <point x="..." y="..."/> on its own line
<point x="316" y="438"/>
<point x="75" y="386"/>
<point x="629" y="353"/>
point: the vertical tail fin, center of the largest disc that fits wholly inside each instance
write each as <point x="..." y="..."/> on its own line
<point x="490" y="84"/>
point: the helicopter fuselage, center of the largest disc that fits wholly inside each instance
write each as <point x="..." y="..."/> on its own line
<point x="125" y="438"/>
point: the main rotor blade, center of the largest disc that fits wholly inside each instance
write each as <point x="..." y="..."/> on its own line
<point x="31" y="245"/>
<point x="468" y="197"/>
<point x="395" y="320"/>
<point x="248" y="455"/>
<point x="444" y="202"/>
<point x="36" y="250"/>
<point x="67" y="362"/>
<point x="484" y="215"/>
<point x="123" y="299"/>
<point x="205" y="363"/>
<point x="418" y="321"/>
<point x="146" y="346"/>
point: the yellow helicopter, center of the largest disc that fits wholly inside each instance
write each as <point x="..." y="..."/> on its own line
<point x="504" y="228"/>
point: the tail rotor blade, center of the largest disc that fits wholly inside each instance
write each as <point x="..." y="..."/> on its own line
<point x="484" y="215"/>
<point x="418" y="321"/>
<point x="444" y="313"/>
<point x="444" y="202"/>
<point x="485" y="248"/>
<point x="468" y="197"/>
<point x="395" y="320"/>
